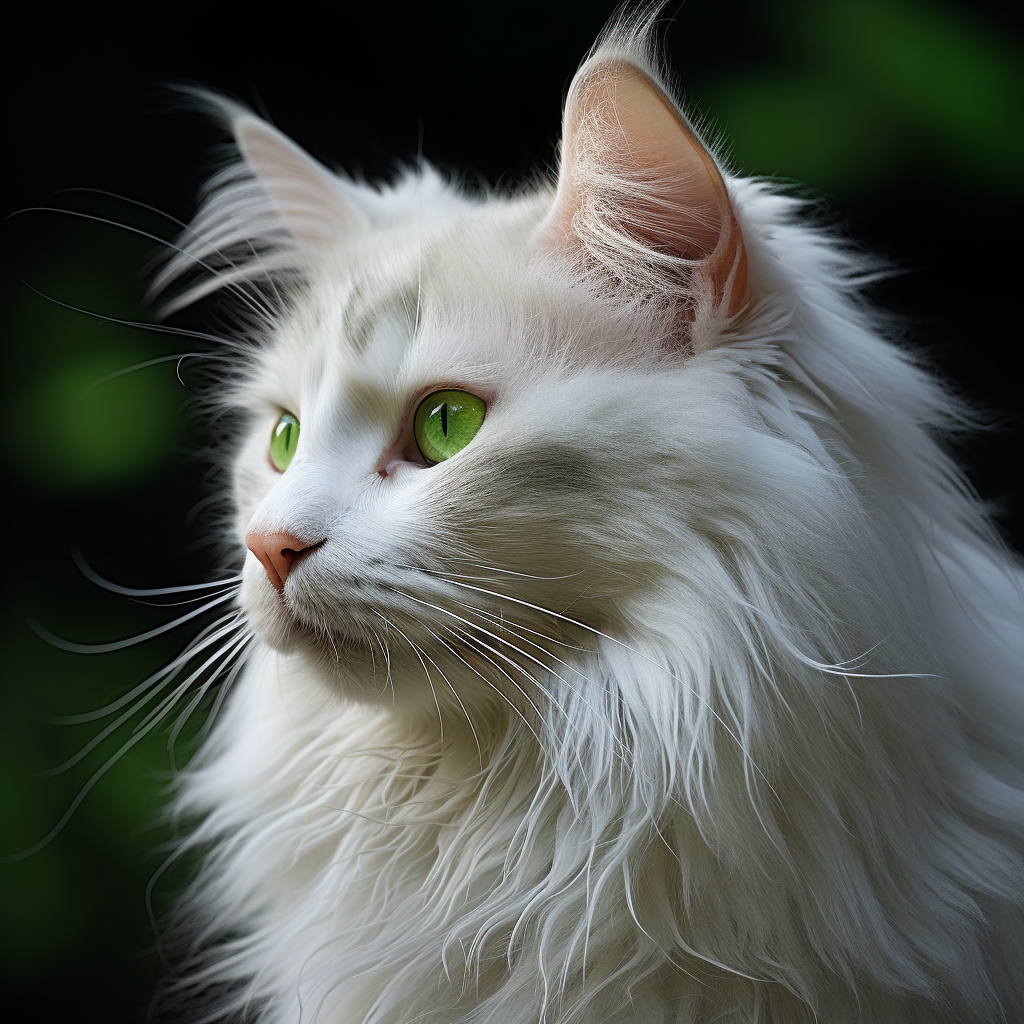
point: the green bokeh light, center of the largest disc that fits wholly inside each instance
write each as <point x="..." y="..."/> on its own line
<point x="78" y="419"/>
<point x="867" y="86"/>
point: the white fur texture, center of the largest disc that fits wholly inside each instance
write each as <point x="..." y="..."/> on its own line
<point x="689" y="691"/>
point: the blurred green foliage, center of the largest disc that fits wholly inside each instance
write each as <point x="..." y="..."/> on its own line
<point x="89" y="415"/>
<point x="868" y="84"/>
<point x="88" y="430"/>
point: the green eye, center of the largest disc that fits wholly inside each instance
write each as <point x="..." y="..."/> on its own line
<point x="283" y="441"/>
<point x="446" y="422"/>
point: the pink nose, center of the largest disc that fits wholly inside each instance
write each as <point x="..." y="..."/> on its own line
<point x="278" y="552"/>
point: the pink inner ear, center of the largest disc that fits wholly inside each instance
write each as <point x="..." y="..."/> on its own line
<point x="631" y="167"/>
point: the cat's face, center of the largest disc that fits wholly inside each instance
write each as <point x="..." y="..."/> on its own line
<point x="400" y="540"/>
<point x="457" y="580"/>
<point x="526" y="511"/>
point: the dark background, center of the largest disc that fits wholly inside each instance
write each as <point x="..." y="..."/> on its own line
<point x="903" y="115"/>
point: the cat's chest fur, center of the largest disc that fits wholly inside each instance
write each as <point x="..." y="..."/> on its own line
<point x="359" y="850"/>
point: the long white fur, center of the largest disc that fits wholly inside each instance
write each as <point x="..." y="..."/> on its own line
<point x="690" y="691"/>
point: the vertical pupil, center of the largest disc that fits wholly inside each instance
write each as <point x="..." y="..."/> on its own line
<point x="444" y="419"/>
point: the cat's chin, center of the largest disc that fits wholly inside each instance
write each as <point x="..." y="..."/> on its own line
<point x="346" y="667"/>
<point x="289" y="637"/>
<point x="288" y="634"/>
<point x="347" y="663"/>
<point x="270" y="618"/>
<point x="286" y="629"/>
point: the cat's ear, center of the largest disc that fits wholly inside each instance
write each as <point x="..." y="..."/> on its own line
<point x="270" y="212"/>
<point x="637" y="190"/>
<point x="313" y="204"/>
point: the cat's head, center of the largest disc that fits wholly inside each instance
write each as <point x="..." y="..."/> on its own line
<point x="472" y="419"/>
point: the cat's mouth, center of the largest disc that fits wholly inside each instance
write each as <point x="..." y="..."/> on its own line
<point x="313" y="612"/>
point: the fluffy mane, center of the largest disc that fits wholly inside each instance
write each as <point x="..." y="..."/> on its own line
<point x="700" y="704"/>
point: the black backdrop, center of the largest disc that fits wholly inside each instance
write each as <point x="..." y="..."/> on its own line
<point x="896" y="112"/>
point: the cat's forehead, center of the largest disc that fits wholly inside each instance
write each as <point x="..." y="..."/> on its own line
<point x="468" y="302"/>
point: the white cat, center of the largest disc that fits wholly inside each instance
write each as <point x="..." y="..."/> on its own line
<point x="627" y="648"/>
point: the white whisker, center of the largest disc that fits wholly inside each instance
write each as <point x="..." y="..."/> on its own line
<point x="199" y="643"/>
<point x="118" y="645"/>
<point x="245" y="296"/>
<point x="225" y="658"/>
<point x="223" y="689"/>
<point x="152" y="720"/>
<point x="150" y="689"/>
<point x="473" y="625"/>
<point x="114" y="588"/>
<point x="475" y="646"/>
